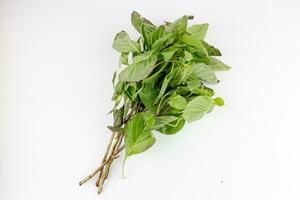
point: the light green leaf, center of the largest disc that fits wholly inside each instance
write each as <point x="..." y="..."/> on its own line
<point x="179" y="26"/>
<point x="217" y="65"/>
<point x="123" y="59"/>
<point x="188" y="56"/>
<point x="137" y="21"/>
<point x="138" y="137"/>
<point x="198" y="31"/>
<point x="147" y="96"/>
<point x="205" y="73"/>
<point x="156" y="35"/>
<point x="193" y="83"/>
<point x="168" y="54"/>
<point x="197" y="108"/>
<point x="123" y="44"/>
<point x="178" y="102"/>
<point x="163" y="120"/>
<point x="139" y="70"/>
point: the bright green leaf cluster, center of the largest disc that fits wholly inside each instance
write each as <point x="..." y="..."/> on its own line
<point x="164" y="80"/>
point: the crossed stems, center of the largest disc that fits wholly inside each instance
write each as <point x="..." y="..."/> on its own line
<point x="112" y="152"/>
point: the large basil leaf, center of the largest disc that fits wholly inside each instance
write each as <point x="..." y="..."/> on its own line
<point x="197" y="108"/>
<point x="139" y="70"/>
<point x="123" y="44"/>
<point x="138" y="137"/>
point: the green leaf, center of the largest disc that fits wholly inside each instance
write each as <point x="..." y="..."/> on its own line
<point x="202" y="92"/>
<point x="123" y="59"/>
<point x="139" y="70"/>
<point x="197" y="108"/>
<point x="179" y="26"/>
<point x="114" y="77"/>
<point x="217" y="65"/>
<point x="212" y="51"/>
<point x="178" y="102"/>
<point x="192" y="41"/>
<point x="198" y="31"/>
<point x="137" y="21"/>
<point x="147" y="96"/>
<point x="164" y="85"/>
<point x="219" y="101"/>
<point x="193" y="83"/>
<point x="172" y="127"/>
<point x="168" y="54"/>
<point x="188" y="56"/>
<point x="156" y="35"/>
<point x="205" y="73"/>
<point x="163" y="120"/>
<point x="138" y="137"/>
<point x="123" y="44"/>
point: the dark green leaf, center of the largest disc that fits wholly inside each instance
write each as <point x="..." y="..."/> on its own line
<point x="212" y="51"/>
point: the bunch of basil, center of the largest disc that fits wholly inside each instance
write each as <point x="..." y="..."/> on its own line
<point x="162" y="85"/>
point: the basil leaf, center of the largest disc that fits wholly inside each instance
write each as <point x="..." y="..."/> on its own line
<point x="178" y="102"/>
<point x="172" y="127"/>
<point x="147" y="96"/>
<point x="137" y="21"/>
<point x="211" y="50"/>
<point x="197" y="108"/>
<point x="205" y="73"/>
<point x="139" y="70"/>
<point x="198" y="31"/>
<point x="192" y="41"/>
<point x="138" y="137"/>
<point x="163" y="120"/>
<point x="123" y="44"/>
<point x="123" y="59"/>
<point x="217" y="65"/>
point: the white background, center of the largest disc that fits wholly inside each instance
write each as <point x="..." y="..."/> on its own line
<point x="56" y="64"/>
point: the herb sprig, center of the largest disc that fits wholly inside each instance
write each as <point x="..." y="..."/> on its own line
<point x="164" y="83"/>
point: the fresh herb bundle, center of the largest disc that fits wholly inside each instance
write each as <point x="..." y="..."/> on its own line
<point x="163" y="84"/>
